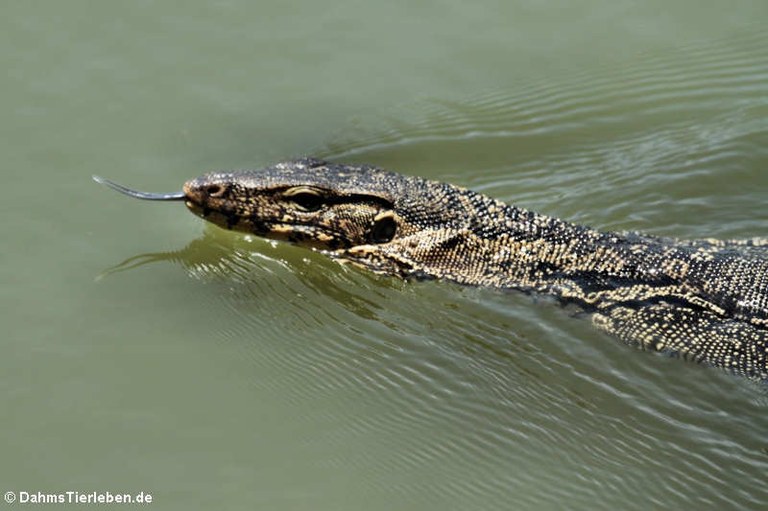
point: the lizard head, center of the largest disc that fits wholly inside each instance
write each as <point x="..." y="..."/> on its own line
<point x="307" y="202"/>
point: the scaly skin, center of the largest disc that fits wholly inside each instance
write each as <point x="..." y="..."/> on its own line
<point x="703" y="300"/>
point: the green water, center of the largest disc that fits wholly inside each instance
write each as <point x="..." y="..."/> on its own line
<point x="216" y="371"/>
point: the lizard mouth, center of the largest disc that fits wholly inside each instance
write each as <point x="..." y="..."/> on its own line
<point x="305" y="234"/>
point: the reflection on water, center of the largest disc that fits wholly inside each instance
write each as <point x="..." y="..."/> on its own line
<point x="423" y="377"/>
<point x="254" y="268"/>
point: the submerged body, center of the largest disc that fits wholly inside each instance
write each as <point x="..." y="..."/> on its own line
<point x="703" y="300"/>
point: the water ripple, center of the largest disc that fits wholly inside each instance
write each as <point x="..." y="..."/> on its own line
<point x="437" y="376"/>
<point x="415" y="382"/>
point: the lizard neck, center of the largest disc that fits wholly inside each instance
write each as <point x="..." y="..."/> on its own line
<point x="509" y="247"/>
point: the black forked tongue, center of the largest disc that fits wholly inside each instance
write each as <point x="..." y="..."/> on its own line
<point x="139" y="195"/>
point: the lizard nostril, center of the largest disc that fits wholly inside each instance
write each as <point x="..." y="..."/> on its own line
<point x="214" y="190"/>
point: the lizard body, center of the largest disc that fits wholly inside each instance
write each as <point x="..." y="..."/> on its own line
<point x="702" y="300"/>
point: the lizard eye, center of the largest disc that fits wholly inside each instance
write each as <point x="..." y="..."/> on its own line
<point x="384" y="228"/>
<point x="305" y="198"/>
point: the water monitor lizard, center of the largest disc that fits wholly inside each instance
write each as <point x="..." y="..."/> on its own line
<point x="702" y="300"/>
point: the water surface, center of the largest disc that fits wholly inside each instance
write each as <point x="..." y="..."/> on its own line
<point x="223" y="371"/>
